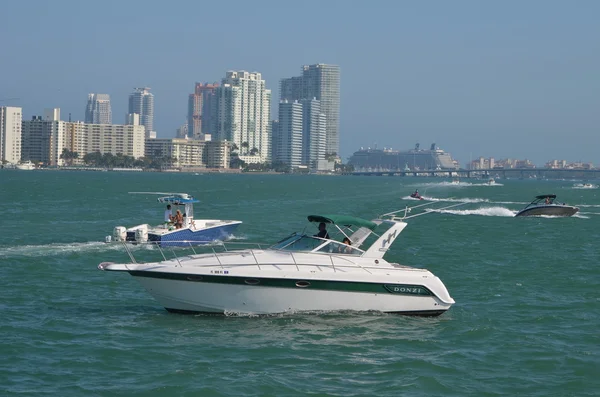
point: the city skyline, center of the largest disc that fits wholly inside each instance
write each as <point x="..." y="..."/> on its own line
<point x="494" y="80"/>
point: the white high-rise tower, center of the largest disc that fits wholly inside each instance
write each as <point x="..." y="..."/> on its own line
<point x="243" y="115"/>
<point x="10" y="134"/>
<point x="321" y="82"/>
<point x="141" y="102"/>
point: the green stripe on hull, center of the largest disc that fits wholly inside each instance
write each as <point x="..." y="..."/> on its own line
<point x="325" y="285"/>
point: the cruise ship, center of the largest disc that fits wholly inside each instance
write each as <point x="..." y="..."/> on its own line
<point x="412" y="160"/>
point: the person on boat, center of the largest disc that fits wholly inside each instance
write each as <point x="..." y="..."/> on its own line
<point x="548" y="200"/>
<point x="347" y="249"/>
<point x="178" y="220"/>
<point x="168" y="214"/>
<point x="322" y="231"/>
<point x="415" y="194"/>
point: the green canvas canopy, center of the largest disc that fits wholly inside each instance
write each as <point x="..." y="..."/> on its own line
<point x="342" y="220"/>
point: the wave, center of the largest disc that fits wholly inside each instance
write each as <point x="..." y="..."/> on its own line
<point x="487" y="211"/>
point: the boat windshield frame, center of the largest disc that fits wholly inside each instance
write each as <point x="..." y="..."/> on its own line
<point x="307" y="243"/>
<point x="538" y="200"/>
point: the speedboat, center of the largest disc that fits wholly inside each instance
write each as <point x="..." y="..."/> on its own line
<point x="192" y="231"/>
<point x="301" y="272"/>
<point x="26" y="166"/>
<point x="584" y="186"/>
<point x="545" y="205"/>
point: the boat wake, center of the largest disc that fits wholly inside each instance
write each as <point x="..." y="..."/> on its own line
<point x="56" y="249"/>
<point x="487" y="211"/>
<point x="474" y="200"/>
<point x="451" y="200"/>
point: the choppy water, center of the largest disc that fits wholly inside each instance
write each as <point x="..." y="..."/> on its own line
<point x="525" y="322"/>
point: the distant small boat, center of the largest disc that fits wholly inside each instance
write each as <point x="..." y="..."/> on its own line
<point x="416" y="195"/>
<point x="544" y="205"/>
<point x="455" y="181"/>
<point x="27" y="166"/>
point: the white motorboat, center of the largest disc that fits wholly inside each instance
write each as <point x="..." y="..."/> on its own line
<point x="192" y="231"/>
<point x="26" y="166"/>
<point x="584" y="186"/>
<point x="545" y="204"/>
<point x="302" y="272"/>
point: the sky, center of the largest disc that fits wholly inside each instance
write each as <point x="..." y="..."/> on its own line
<point x="503" y="79"/>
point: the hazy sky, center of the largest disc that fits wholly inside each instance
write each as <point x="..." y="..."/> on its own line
<point x="479" y="78"/>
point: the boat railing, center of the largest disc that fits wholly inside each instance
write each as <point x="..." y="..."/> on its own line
<point x="153" y="252"/>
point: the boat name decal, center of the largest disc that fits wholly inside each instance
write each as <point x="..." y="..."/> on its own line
<point x="407" y="289"/>
<point x="219" y="271"/>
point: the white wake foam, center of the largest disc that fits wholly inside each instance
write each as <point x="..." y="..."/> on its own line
<point x="57" y="249"/>
<point x="486" y="211"/>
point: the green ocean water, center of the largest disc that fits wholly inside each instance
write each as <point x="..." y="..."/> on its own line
<point x="525" y="322"/>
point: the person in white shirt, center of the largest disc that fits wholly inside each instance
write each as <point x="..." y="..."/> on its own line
<point x="168" y="214"/>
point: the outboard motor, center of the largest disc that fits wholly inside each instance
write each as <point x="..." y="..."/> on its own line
<point x="141" y="234"/>
<point x="119" y="234"/>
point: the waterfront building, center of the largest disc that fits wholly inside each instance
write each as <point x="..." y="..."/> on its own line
<point x="276" y="147"/>
<point x="10" y="134"/>
<point x="45" y="138"/>
<point x="243" y="115"/>
<point x="289" y="134"/>
<point x="314" y="132"/>
<point x="98" y="109"/>
<point x="321" y="82"/>
<point x="141" y="101"/>
<point x="191" y="153"/>
<point x="201" y="110"/>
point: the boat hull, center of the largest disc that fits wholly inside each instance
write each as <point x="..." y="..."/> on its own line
<point x="549" y="210"/>
<point x="186" y="237"/>
<point x="196" y="295"/>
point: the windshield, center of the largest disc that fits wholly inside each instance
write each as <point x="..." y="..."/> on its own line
<point x="309" y="243"/>
<point x="299" y="243"/>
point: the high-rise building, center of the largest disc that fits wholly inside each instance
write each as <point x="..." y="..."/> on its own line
<point x="141" y="101"/>
<point x="289" y="134"/>
<point x="314" y="132"/>
<point x="243" y="115"/>
<point x="10" y="134"/>
<point x="201" y="110"/>
<point x="322" y="82"/>
<point x="98" y="109"/>
<point x="44" y="138"/>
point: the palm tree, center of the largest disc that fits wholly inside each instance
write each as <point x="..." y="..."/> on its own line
<point x="245" y="145"/>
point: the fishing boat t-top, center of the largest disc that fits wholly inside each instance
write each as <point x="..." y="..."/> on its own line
<point x="545" y="204"/>
<point x="172" y="233"/>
